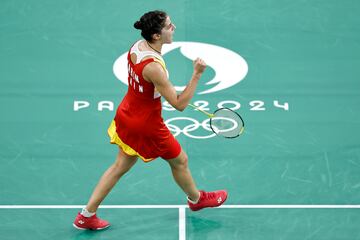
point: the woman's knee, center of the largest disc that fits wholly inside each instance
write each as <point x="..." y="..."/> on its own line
<point x="123" y="163"/>
<point x="180" y="162"/>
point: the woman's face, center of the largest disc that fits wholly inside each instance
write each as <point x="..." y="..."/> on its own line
<point x="167" y="31"/>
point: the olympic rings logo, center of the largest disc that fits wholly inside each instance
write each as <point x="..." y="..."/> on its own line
<point x="194" y="125"/>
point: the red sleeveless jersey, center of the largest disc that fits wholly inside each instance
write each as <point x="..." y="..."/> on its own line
<point x="138" y="127"/>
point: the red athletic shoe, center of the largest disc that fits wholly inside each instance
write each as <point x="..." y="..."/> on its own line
<point x="209" y="199"/>
<point x="91" y="223"/>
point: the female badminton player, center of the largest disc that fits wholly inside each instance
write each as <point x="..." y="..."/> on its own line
<point x="138" y="128"/>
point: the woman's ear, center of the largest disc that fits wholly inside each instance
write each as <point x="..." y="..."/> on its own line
<point x="156" y="36"/>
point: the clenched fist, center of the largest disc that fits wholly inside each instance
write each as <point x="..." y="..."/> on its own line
<point x="199" y="66"/>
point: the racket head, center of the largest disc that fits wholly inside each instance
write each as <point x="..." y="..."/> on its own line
<point x="227" y="123"/>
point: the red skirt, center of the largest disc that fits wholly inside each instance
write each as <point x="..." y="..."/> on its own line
<point x="139" y="130"/>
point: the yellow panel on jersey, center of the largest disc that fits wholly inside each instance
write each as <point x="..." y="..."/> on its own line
<point x="115" y="139"/>
<point x="162" y="63"/>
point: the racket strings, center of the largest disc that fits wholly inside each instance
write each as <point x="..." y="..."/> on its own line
<point x="227" y="123"/>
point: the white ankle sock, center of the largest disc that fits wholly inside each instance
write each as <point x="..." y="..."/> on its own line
<point x="194" y="202"/>
<point x="86" y="213"/>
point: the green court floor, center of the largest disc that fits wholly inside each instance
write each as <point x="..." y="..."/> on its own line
<point x="290" y="68"/>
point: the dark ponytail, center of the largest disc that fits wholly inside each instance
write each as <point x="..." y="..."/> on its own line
<point x="151" y="23"/>
<point x="138" y="25"/>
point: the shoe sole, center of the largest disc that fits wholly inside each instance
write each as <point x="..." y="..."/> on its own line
<point x="94" y="229"/>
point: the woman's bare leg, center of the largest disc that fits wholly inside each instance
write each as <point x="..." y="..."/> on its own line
<point x="182" y="175"/>
<point x="108" y="180"/>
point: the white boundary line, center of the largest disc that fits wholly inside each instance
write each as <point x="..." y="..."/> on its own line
<point x="182" y="223"/>
<point x="175" y="206"/>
